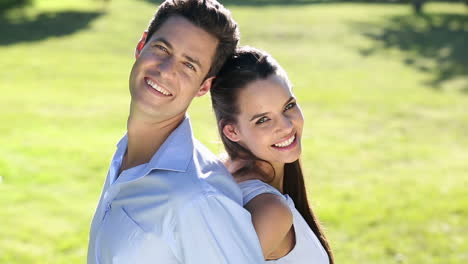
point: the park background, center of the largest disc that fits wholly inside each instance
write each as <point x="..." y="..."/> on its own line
<point x="384" y="92"/>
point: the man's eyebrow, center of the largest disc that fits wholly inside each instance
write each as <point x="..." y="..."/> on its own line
<point x="163" y="40"/>
<point x="187" y="57"/>
<point x="258" y="115"/>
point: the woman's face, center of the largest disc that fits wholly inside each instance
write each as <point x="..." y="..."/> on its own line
<point x="270" y="121"/>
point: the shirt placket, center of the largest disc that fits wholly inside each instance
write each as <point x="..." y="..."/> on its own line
<point x="109" y="196"/>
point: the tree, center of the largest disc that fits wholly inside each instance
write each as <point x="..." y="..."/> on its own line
<point x="418" y="5"/>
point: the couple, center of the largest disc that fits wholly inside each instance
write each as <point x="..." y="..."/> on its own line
<point x="168" y="199"/>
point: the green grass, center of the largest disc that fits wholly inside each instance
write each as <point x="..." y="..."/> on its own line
<point x="384" y="94"/>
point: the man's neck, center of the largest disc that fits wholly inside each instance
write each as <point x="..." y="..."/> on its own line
<point x="145" y="137"/>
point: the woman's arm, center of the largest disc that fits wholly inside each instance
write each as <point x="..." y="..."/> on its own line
<point x="273" y="222"/>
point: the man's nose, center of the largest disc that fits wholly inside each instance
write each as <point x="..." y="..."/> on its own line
<point x="167" y="66"/>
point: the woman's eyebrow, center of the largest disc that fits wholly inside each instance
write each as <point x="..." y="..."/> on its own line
<point x="258" y="115"/>
<point x="289" y="100"/>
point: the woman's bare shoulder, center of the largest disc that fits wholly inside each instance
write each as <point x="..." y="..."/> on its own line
<point x="273" y="222"/>
<point x="267" y="205"/>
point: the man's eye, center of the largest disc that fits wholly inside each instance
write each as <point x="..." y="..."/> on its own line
<point x="289" y="106"/>
<point x="262" y="120"/>
<point x="162" y="48"/>
<point x="190" y="66"/>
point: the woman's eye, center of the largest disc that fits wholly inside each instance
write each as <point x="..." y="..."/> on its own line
<point x="289" y="106"/>
<point x="262" y="120"/>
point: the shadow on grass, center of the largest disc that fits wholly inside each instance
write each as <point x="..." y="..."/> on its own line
<point x="15" y="29"/>
<point x="435" y="43"/>
<point x="5" y="5"/>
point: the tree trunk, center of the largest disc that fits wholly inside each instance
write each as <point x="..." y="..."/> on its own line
<point x="418" y="5"/>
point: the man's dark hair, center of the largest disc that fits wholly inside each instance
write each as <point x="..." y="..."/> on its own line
<point x="210" y="16"/>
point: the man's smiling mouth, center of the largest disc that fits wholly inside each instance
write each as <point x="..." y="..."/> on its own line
<point x="157" y="88"/>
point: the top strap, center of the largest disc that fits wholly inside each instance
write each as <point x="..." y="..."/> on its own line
<point x="252" y="188"/>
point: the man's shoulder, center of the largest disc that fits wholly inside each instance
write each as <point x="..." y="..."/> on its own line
<point x="207" y="163"/>
<point x="203" y="152"/>
<point x="212" y="175"/>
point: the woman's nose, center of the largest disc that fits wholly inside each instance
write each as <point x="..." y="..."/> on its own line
<point x="284" y="125"/>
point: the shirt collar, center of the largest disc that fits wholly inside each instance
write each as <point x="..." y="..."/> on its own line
<point x="174" y="154"/>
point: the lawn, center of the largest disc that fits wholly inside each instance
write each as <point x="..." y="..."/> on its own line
<point x="384" y="94"/>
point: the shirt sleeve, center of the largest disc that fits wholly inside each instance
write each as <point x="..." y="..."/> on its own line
<point x="214" y="229"/>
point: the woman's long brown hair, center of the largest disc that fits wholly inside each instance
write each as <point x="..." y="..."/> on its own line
<point x="245" y="66"/>
<point x="294" y="186"/>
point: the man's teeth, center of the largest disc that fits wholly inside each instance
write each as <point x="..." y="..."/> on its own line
<point x="156" y="87"/>
<point x="286" y="143"/>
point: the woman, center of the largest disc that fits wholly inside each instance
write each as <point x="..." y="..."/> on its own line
<point x="260" y="125"/>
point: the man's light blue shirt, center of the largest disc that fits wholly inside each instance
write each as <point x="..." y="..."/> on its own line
<point x="182" y="206"/>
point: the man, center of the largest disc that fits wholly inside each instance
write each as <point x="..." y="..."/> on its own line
<point x="166" y="198"/>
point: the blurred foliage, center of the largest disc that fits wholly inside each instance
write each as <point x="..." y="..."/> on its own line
<point x="7" y="4"/>
<point x="307" y="2"/>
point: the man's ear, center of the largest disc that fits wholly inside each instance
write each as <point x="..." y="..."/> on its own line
<point x="141" y="44"/>
<point x="231" y="132"/>
<point x="205" y="86"/>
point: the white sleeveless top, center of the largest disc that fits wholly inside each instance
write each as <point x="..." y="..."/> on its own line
<point x="308" y="249"/>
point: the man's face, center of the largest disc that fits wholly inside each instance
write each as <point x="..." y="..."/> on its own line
<point x="170" y="69"/>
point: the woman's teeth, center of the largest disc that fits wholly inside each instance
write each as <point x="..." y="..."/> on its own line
<point x="157" y="88"/>
<point x="286" y="143"/>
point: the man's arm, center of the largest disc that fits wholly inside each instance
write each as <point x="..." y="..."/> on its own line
<point x="214" y="229"/>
